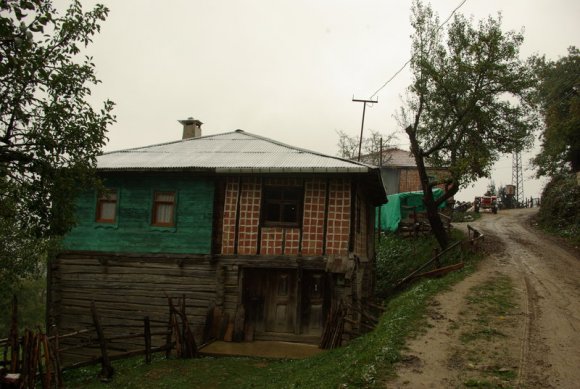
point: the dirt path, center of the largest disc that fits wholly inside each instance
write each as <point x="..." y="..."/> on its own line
<point x="525" y="334"/>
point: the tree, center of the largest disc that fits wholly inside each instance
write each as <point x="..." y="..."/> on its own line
<point x="50" y="135"/>
<point x="467" y="103"/>
<point x="559" y="102"/>
<point x="371" y="146"/>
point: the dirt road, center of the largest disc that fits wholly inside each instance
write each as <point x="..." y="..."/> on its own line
<point x="513" y="323"/>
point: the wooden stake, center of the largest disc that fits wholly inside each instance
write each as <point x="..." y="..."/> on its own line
<point x="106" y="370"/>
<point x="147" y="336"/>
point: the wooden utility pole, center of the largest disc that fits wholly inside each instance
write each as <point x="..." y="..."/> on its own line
<point x="363" y="121"/>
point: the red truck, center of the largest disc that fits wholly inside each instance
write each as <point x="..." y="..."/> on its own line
<point x="485" y="203"/>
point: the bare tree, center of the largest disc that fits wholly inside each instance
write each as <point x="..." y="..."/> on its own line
<point x="371" y="146"/>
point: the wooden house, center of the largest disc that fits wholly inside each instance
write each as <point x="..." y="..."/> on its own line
<point x="233" y="221"/>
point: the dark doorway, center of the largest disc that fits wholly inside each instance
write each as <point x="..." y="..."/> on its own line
<point x="272" y="301"/>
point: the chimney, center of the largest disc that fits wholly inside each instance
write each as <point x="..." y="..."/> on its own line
<point x="191" y="128"/>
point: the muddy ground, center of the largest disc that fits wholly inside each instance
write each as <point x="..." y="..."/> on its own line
<point x="515" y="323"/>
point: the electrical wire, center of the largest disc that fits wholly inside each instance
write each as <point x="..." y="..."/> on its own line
<point x="409" y="60"/>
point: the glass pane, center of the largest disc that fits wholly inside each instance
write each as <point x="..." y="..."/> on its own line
<point x="272" y="212"/>
<point x="109" y="195"/>
<point x="274" y="194"/>
<point x="164" y="213"/>
<point x="167" y="196"/>
<point x="107" y="211"/>
<point x="283" y="285"/>
<point x="290" y="213"/>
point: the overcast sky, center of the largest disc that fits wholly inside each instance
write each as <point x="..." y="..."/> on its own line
<point x="284" y="69"/>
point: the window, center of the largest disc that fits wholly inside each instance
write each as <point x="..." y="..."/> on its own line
<point x="107" y="206"/>
<point x="282" y="206"/>
<point x="163" y="209"/>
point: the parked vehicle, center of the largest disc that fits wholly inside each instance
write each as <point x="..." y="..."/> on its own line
<point x="489" y="203"/>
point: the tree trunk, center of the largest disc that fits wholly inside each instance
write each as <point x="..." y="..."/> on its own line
<point x="435" y="220"/>
<point x="432" y="214"/>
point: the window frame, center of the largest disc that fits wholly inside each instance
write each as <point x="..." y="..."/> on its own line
<point x="102" y="197"/>
<point x="156" y="203"/>
<point x="297" y="199"/>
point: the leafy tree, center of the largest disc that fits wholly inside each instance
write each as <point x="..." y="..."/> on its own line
<point x="559" y="102"/>
<point x="49" y="133"/>
<point x="467" y="103"/>
<point x="371" y="146"/>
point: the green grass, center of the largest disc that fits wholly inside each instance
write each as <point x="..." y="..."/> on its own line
<point x="489" y="300"/>
<point x="397" y="258"/>
<point x="364" y="363"/>
<point x="487" y="318"/>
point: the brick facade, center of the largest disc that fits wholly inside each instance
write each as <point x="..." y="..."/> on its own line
<point x="230" y="211"/>
<point x="250" y="198"/>
<point x="338" y="230"/>
<point x="308" y="239"/>
<point x="313" y="217"/>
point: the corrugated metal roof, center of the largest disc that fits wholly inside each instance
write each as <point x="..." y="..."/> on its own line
<point x="236" y="151"/>
<point x="394" y="157"/>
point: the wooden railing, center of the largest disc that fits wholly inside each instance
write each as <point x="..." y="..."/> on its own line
<point x="36" y="355"/>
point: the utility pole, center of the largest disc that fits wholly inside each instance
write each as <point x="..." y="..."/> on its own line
<point x="363" y="120"/>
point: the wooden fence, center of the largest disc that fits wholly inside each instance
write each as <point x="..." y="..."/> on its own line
<point x="35" y="357"/>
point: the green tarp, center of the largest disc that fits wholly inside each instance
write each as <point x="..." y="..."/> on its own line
<point x="393" y="211"/>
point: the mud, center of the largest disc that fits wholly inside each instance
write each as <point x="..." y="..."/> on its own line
<point x="540" y="342"/>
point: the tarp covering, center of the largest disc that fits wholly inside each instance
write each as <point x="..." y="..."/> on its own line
<point x="392" y="212"/>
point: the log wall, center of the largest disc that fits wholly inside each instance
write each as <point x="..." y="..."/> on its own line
<point x="126" y="288"/>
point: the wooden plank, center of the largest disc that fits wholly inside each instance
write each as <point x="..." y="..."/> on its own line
<point x="441" y="271"/>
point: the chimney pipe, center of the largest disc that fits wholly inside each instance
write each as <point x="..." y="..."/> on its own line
<point x="191" y="128"/>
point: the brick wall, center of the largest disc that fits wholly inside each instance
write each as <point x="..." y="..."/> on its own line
<point x="250" y="199"/>
<point x="230" y="209"/>
<point x="338" y="229"/>
<point x="287" y="241"/>
<point x="313" y="219"/>
<point x="280" y="241"/>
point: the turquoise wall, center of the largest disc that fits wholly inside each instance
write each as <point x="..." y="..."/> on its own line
<point x="133" y="231"/>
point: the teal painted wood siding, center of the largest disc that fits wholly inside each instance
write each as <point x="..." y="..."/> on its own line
<point x="132" y="232"/>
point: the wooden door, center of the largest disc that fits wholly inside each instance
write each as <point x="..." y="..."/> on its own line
<point x="281" y="301"/>
<point x="314" y="296"/>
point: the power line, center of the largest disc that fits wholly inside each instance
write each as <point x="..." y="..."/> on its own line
<point x="409" y="60"/>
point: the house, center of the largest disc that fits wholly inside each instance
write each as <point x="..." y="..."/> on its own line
<point x="234" y="221"/>
<point x="399" y="170"/>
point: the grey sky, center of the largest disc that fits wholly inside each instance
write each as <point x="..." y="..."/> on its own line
<point x="285" y="69"/>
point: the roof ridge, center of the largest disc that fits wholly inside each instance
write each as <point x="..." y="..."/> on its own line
<point x="302" y="149"/>
<point x="248" y="134"/>
<point x="169" y="142"/>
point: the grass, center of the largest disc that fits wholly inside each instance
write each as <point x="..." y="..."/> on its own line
<point x="397" y="258"/>
<point x="488" y="315"/>
<point x="365" y="362"/>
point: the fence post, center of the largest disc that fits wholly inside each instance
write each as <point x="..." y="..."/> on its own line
<point x="147" y="335"/>
<point x="106" y="370"/>
<point x="13" y="338"/>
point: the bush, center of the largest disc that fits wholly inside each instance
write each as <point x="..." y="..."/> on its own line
<point x="560" y="210"/>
